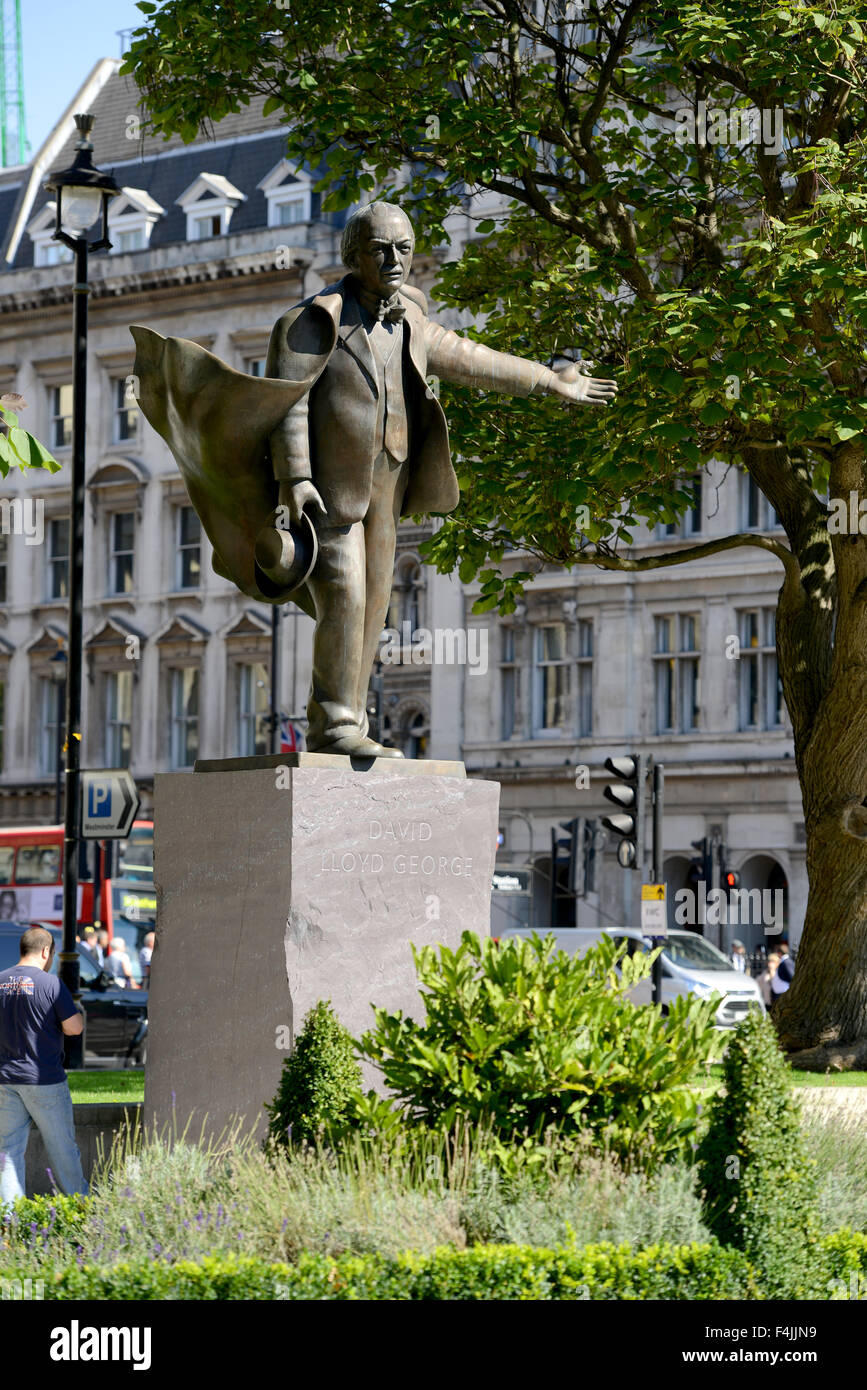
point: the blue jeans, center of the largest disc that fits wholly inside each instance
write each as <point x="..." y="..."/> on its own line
<point x="50" y="1108"/>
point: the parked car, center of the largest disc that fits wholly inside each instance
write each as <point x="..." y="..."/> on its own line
<point x="115" y="1018"/>
<point x="690" y="965"/>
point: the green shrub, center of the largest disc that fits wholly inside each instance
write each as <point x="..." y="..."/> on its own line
<point x="522" y="1038"/>
<point x="317" y="1081"/>
<point x="759" y="1182"/>
<point x="33" y="1220"/>
<point x="601" y="1272"/>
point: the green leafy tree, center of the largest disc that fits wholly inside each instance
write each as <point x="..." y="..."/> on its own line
<point x="18" y="448"/>
<point x="759" y="1184"/>
<point x="686" y="195"/>
<point x="521" y="1039"/>
<point x="318" y="1080"/>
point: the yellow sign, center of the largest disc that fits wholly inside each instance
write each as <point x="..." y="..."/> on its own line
<point x="653" y="892"/>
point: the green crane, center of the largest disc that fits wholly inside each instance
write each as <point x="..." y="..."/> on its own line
<point x="13" y="135"/>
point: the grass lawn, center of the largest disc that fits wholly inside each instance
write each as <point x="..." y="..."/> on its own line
<point x="106" y="1087"/>
<point x="803" y="1078"/>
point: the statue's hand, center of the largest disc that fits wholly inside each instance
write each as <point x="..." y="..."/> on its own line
<point x="292" y="498"/>
<point x="582" y="390"/>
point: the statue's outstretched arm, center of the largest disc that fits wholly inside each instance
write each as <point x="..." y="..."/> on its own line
<point x="468" y="363"/>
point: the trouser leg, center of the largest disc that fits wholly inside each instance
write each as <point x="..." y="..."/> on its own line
<point x="380" y="540"/>
<point x="51" y="1109"/>
<point x="14" y="1132"/>
<point x="337" y="586"/>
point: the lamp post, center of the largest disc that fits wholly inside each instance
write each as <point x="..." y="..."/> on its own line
<point x="81" y="195"/>
<point x="58" y="678"/>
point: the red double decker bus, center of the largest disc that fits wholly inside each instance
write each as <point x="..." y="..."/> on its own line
<point x="31" y="873"/>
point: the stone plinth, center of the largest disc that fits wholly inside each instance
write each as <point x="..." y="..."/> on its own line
<point x="279" y="885"/>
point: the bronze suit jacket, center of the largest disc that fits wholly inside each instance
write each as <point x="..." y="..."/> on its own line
<point x="219" y="423"/>
<point x="339" y="460"/>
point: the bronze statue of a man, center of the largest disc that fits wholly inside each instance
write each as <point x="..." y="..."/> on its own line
<point x="356" y="440"/>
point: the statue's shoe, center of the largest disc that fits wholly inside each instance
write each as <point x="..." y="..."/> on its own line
<point x="356" y="746"/>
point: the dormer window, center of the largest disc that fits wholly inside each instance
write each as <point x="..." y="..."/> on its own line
<point x="41" y="231"/>
<point x="131" y="219"/>
<point x="289" y="194"/>
<point x="209" y="203"/>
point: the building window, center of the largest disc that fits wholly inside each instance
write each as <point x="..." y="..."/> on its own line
<point x="133" y="240"/>
<point x="510" y="676"/>
<point x="50" y="726"/>
<point x="289" y="195"/>
<point x="253" y="709"/>
<point x="757" y="514"/>
<point x="122" y="551"/>
<point x="126" y="414"/>
<point x="185" y="717"/>
<point x="51" y="253"/>
<point x="4" y="561"/>
<point x="550" y="679"/>
<point x="690" y="524"/>
<point x="118" y="718"/>
<point x="289" y="211"/>
<point x="761" y="690"/>
<point x="203" y="227"/>
<point x="585" y="677"/>
<point x="676" y="668"/>
<point x="189" y="549"/>
<point x="61" y="416"/>
<point x="255" y="366"/>
<point x="58" y="557"/>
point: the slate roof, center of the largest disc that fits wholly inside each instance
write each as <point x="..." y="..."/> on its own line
<point x="245" y="147"/>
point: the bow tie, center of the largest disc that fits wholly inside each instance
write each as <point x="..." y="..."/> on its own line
<point x="383" y="310"/>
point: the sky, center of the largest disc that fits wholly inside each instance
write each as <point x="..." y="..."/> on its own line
<point x="62" y="41"/>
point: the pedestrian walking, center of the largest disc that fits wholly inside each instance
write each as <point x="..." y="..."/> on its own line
<point x="766" y="977"/>
<point x="785" y="972"/>
<point x="739" y="956"/>
<point x="36" y="1010"/>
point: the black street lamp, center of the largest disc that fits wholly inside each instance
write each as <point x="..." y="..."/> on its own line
<point x="82" y="196"/>
<point x="58" y="677"/>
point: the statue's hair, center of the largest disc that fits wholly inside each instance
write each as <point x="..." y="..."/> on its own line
<point x="354" y="224"/>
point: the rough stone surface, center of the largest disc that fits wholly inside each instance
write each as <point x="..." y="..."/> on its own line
<point x="275" y="890"/>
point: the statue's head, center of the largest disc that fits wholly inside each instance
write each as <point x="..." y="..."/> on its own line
<point x="377" y="246"/>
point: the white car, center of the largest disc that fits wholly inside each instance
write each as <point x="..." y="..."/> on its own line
<point x="690" y="965"/>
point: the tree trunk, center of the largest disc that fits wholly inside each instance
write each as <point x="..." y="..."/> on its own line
<point x="822" y="1018"/>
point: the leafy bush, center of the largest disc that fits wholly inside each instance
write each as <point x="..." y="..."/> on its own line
<point x="430" y="1190"/>
<point x="32" y="1220"/>
<point x="317" y="1081"/>
<point x="522" y="1037"/>
<point x="602" y="1272"/>
<point x="759" y="1182"/>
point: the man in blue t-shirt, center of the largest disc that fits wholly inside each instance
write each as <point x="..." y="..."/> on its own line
<point x="36" y="1009"/>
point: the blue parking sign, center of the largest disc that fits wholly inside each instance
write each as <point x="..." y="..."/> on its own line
<point x="99" y="799"/>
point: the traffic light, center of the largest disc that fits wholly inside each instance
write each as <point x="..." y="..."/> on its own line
<point x="729" y="879"/>
<point x="591" y="830"/>
<point x="629" y="794"/>
<point x="567" y="863"/>
<point x="701" y="868"/>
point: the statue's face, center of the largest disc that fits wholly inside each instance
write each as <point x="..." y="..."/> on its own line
<point x="384" y="252"/>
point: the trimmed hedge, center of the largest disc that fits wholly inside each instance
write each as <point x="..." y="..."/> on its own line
<point x="484" y="1272"/>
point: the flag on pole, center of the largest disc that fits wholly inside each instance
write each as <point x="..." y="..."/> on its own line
<point x="291" y="737"/>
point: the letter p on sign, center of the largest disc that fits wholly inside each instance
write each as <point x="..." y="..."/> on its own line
<point x="99" y="799"/>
